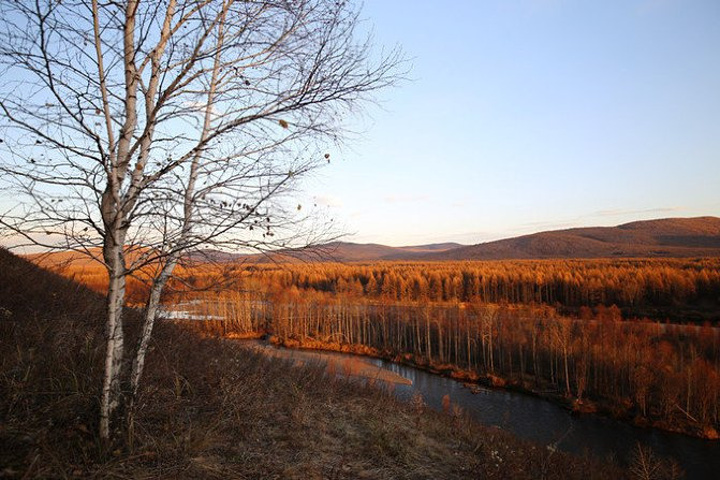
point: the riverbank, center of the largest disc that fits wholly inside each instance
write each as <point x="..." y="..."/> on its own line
<point x="349" y="367"/>
<point x="585" y="406"/>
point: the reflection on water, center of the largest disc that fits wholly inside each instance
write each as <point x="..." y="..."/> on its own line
<point x="546" y="423"/>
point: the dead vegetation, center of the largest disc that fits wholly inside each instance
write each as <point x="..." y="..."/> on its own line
<point x="211" y="409"/>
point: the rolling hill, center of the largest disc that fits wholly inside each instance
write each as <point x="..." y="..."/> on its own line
<point x="670" y="237"/>
<point x="372" y="252"/>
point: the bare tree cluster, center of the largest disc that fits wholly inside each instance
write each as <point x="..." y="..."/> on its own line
<point x="637" y="286"/>
<point x="152" y="128"/>
<point x="662" y="373"/>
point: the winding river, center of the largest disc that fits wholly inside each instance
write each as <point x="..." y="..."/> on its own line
<point x="531" y="418"/>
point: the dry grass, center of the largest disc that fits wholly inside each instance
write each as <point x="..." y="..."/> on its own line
<point x="211" y="409"/>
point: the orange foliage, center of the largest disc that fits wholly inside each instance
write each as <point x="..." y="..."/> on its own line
<point x="487" y="319"/>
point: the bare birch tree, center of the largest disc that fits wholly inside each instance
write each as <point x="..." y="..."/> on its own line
<point x="148" y="128"/>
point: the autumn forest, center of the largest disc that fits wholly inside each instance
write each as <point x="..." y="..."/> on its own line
<point x="185" y="186"/>
<point x="633" y="338"/>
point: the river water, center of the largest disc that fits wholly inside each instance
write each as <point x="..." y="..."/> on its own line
<point x="544" y="422"/>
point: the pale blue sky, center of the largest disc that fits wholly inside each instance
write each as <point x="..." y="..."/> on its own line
<point x="527" y="115"/>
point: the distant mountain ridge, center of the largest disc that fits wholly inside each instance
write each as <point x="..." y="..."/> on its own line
<point x="359" y="252"/>
<point x="342" y="252"/>
<point x="669" y="237"/>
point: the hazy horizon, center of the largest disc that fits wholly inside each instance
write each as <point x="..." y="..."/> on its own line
<point x="526" y="230"/>
<point x="533" y="115"/>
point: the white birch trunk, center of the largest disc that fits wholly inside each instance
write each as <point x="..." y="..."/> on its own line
<point x="113" y="208"/>
<point x="149" y="322"/>
<point x="171" y="260"/>
<point x="110" y="399"/>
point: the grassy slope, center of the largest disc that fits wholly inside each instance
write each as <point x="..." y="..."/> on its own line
<point x="212" y="410"/>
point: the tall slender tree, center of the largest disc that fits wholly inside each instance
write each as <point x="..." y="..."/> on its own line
<point x="150" y="128"/>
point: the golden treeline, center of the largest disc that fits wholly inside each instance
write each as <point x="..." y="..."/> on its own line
<point x="496" y="320"/>
<point x="625" y="283"/>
